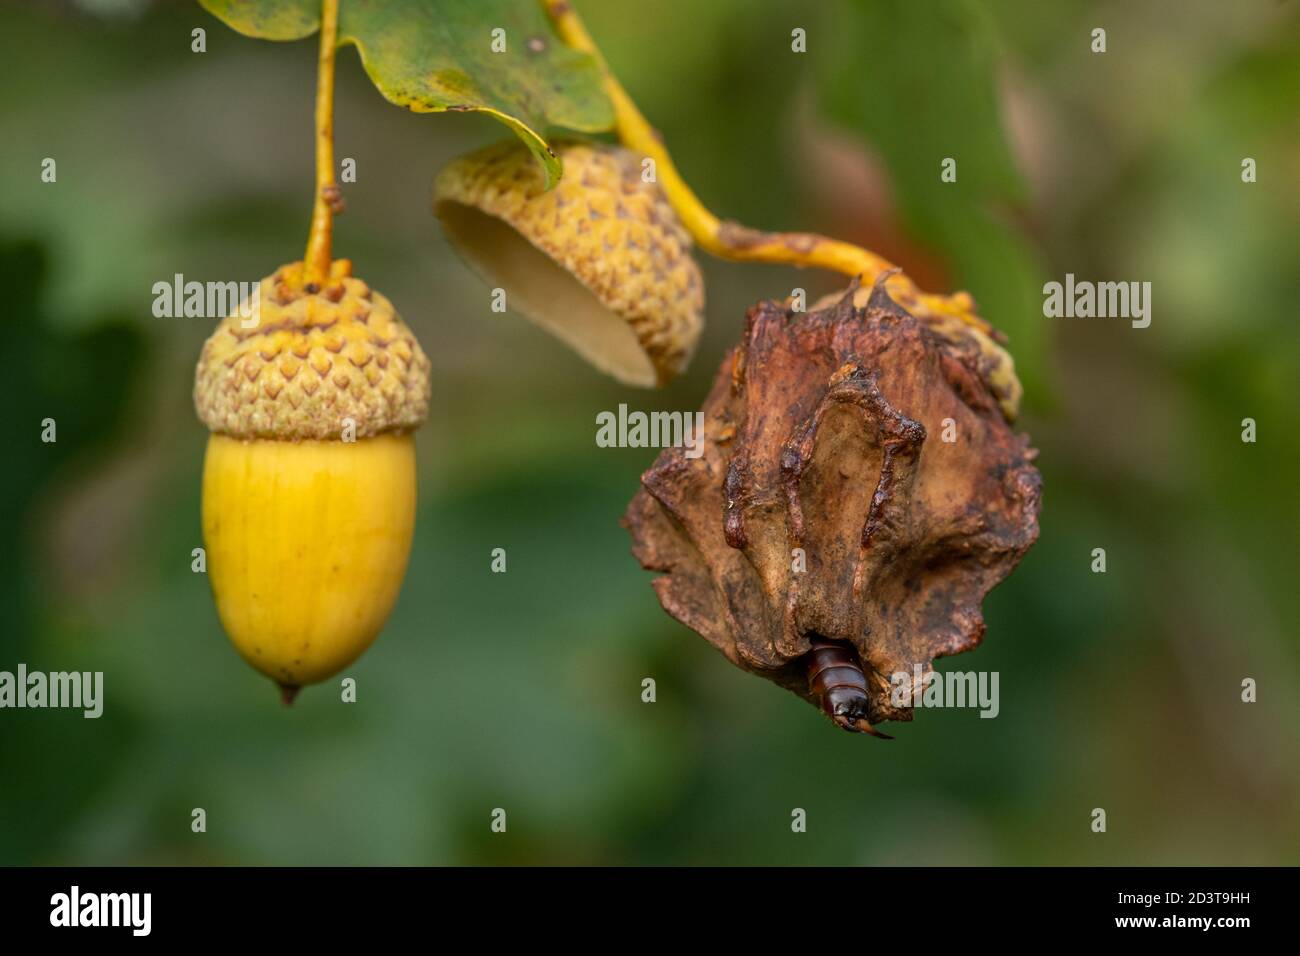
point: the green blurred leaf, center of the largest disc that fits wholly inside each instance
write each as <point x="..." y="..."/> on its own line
<point x="268" y="19"/>
<point x="432" y="56"/>
<point x="78" y="380"/>
<point x="920" y="82"/>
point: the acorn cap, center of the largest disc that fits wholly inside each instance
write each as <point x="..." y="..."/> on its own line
<point x="600" y="261"/>
<point x="309" y="358"/>
<point x="993" y="363"/>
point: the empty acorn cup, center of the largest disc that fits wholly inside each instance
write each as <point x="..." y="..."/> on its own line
<point x="601" y="261"/>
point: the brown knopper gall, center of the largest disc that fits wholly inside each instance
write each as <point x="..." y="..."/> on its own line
<point x="822" y="434"/>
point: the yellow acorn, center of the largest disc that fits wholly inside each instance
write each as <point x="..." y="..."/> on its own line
<point x="312" y="390"/>
<point x="309" y="478"/>
<point x="601" y="261"/>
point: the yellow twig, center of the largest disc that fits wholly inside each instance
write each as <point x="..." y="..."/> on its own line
<point x="730" y="240"/>
<point x="316" y="262"/>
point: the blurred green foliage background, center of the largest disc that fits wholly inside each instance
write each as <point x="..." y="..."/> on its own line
<point x="522" y="690"/>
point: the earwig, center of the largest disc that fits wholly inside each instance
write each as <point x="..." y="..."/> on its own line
<point x="836" y="679"/>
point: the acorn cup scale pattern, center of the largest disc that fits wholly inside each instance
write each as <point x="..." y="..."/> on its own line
<point x="309" y="361"/>
<point x="309" y="484"/>
<point x="601" y="261"/>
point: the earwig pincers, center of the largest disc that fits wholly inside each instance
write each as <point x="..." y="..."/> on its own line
<point x="836" y="679"/>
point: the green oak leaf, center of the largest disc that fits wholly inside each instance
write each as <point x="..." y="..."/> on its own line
<point x="432" y="56"/>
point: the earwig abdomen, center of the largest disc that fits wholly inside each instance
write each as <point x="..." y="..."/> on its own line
<point x="836" y="679"/>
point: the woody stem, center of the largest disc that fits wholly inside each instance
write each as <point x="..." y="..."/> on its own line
<point x="730" y="240"/>
<point x="316" y="262"/>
